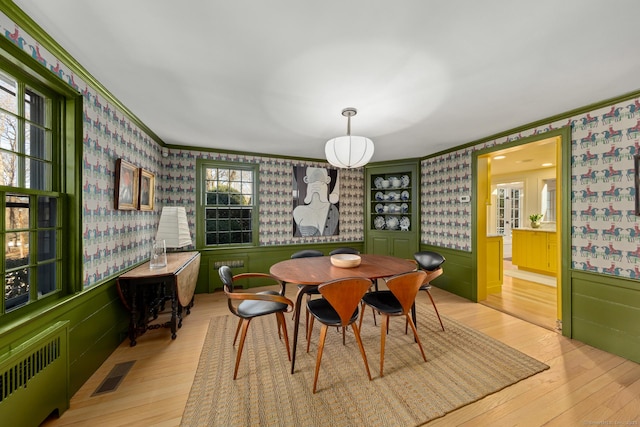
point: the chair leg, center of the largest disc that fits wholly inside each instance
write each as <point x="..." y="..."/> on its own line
<point x="436" y="309"/>
<point x="323" y="336"/>
<point x="415" y="334"/>
<point x="306" y="321"/>
<point x="245" y="326"/>
<point x="237" y="330"/>
<point x="279" y="328"/>
<point x="309" y="332"/>
<point x="356" y="332"/>
<point x="281" y="322"/>
<point x="383" y="336"/>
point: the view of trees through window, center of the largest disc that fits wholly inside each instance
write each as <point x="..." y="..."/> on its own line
<point x="31" y="231"/>
<point x="229" y="205"/>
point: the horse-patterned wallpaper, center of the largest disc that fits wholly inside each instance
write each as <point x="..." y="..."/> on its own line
<point x="605" y="232"/>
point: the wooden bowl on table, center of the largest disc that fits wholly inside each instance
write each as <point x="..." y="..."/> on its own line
<point x="345" y="260"/>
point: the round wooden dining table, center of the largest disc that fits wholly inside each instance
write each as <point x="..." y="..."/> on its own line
<point x="314" y="271"/>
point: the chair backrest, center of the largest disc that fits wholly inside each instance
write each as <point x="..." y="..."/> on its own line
<point x="344" y="295"/>
<point x="405" y="287"/>
<point x="428" y="260"/>
<point x="344" y="250"/>
<point x="226" y="276"/>
<point x="306" y="253"/>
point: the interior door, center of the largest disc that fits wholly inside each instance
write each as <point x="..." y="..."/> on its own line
<point x="509" y="199"/>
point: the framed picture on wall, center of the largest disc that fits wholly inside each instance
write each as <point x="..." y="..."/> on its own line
<point x="147" y="190"/>
<point x="636" y="175"/>
<point x="126" y="188"/>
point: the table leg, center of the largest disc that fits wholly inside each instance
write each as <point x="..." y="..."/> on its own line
<point x="174" y="312"/>
<point x="133" y="322"/>
<point x="296" y="325"/>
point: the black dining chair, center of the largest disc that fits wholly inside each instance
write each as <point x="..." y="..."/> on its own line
<point x="339" y="308"/>
<point x="344" y="250"/>
<point x="306" y="253"/>
<point x="430" y="262"/>
<point x="397" y="301"/>
<point x="247" y="306"/>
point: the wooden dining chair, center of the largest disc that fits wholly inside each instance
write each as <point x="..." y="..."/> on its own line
<point x="247" y="306"/>
<point x="374" y="282"/>
<point x="397" y="301"/>
<point x="338" y="307"/>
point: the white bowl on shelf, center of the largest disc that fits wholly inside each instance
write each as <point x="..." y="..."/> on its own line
<point x="345" y="260"/>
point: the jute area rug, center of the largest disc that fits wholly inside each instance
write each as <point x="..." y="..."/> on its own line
<point x="463" y="365"/>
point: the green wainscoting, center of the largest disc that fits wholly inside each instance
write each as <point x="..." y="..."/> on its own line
<point x="98" y="323"/>
<point x="605" y="313"/>
<point x="458" y="273"/>
<point x="253" y="259"/>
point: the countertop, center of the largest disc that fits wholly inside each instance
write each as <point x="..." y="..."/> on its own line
<point x="546" y="230"/>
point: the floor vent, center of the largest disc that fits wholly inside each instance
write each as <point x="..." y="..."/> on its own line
<point x="114" y="378"/>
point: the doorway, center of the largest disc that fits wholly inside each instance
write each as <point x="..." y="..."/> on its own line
<point x="508" y="212"/>
<point x="513" y="183"/>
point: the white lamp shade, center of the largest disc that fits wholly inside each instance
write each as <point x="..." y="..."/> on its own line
<point x="349" y="151"/>
<point x="174" y="227"/>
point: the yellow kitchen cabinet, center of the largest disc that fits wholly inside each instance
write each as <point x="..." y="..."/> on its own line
<point x="535" y="250"/>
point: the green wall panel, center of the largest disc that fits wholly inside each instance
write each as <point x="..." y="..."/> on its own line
<point x="605" y="313"/>
<point x="458" y="273"/>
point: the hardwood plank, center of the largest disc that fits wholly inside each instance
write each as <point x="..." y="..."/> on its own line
<point x="584" y="384"/>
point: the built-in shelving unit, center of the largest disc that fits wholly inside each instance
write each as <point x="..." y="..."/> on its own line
<point x="392" y="209"/>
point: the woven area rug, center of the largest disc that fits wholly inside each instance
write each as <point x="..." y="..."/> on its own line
<point x="463" y="365"/>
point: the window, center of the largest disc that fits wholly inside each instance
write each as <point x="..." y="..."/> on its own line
<point x="31" y="229"/>
<point x="549" y="199"/>
<point x="228" y="203"/>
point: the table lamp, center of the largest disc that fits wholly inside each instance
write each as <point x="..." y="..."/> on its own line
<point x="173" y="232"/>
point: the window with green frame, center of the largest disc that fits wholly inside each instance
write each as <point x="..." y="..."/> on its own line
<point x="228" y="203"/>
<point x="29" y="191"/>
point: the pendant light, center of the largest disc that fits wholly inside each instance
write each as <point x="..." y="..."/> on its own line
<point x="349" y="151"/>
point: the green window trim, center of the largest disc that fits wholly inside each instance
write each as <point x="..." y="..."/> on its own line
<point x="61" y="158"/>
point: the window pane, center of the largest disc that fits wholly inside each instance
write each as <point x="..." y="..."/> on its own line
<point x="8" y="90"/>
<point x="17" y="212"/>
<point x="46" y="278"/>
<point x="37" y="142"/>
<point x="46" y="245"/>
<point x="212" y="239"/>
<point x="47" y="213"/>
<point x="16" y="288"/>
<point x="9" y="169"/>
<point x="38" y="175"/>
<point x="34" y="107"/>
<point x="17" y="254"/>
<point x="8" y="132"/>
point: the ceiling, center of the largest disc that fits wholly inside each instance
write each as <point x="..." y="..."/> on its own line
<point x="524" y="158"/>
<point x="273" y="77"/>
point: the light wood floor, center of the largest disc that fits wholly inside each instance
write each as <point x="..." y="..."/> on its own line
<point x="585" y="386"/>
<point x="526" y="300"/>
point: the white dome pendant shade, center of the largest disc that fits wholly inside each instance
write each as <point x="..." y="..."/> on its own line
<point x="349" y="151"/>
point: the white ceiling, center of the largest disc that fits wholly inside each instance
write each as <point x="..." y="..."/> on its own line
<point x="273" y="76"/>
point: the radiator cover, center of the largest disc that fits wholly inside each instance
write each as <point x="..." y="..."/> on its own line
<point x="34" y="377"/>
